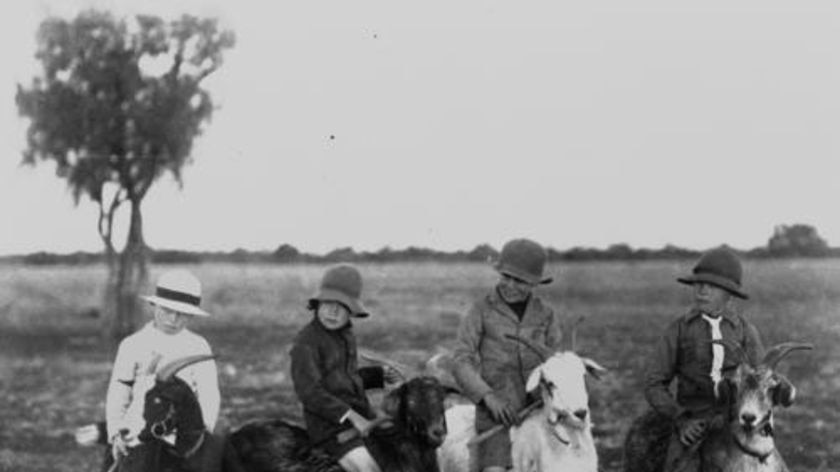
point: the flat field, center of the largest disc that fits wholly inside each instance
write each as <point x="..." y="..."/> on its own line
<point x="53" y="369"/>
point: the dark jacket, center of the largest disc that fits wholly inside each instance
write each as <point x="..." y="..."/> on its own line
<point x="684" y="352"/>
<point x="327" y="379"/>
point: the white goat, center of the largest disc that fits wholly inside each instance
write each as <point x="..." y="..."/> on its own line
<point x="556" y="437"/>
<point x="559" y="437"/>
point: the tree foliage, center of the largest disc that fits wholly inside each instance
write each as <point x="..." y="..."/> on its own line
<point x="117" y="105"/>
<point x="797" y="240"/>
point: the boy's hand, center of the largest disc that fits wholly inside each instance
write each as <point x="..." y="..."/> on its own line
<point x="499" y="409"/>
<point x="692" y="430"/>
<point x="360" y="423"/>
<point x="120" y="444"/>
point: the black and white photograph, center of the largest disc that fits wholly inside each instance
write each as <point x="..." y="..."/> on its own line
<point x="438" y="236"/>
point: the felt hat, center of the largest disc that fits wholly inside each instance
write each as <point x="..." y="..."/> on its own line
<point x="343" y="284"/>
<point x="525" y="260"/>
<point x="719" y="267"/>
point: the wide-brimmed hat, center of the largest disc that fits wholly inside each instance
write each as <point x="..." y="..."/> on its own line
<point x="719" y="267"/>
<point x="343" y="284"/>
<point x="178" y="290"/>
<point x="525" y="260"/>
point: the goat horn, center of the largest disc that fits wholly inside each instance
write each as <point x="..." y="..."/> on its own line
<point x="779" y="351"/>
<point x="166" y="372"/>
<point x="573" y="332"/>
<point x="736" y="348"/>
<point x="542" y="351"/>
<point x="374" y="356"/>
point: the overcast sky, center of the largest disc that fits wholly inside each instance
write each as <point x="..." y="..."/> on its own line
<point x="462" y="122"/>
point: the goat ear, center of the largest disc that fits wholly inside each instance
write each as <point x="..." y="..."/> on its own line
<point x="534" y="380"/>
<point x="783" y="393"/>
<point x="593" y="368"/>
<point x="451" y="390"/>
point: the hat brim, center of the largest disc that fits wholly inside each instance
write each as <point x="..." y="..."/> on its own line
<point x="715" y="280"/>
<point x="357" y="310"/>
<point x="502" y="269"/>
<point x="180" y="307"/>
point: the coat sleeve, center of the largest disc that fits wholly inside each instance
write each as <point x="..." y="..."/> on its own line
<point x="466" y="360"/>
<point x="118" y="398"/>
<point x="660" y="372"/>
<point x="309" y="385"/>
<point x="372" y="376"/>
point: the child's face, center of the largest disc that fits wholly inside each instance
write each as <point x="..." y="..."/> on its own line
<point x="333" y="315"/>
<point x="709" y="298"/>
<point x="170" y="321"/>
<point x="514" y="290"/>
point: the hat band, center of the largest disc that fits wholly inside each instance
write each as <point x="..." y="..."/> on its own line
<point x="177" y="296"/>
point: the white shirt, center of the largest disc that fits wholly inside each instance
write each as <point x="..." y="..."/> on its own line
<point x="129" y="382"/>
<point x="717" y="351"/>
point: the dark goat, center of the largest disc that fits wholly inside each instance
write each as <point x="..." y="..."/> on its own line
<point x="171" y="408"/>
<point x="407" y="444"/>
<point x="744" y="439"/>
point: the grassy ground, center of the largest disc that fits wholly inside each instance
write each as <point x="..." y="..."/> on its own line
<point x="53" y="370"/>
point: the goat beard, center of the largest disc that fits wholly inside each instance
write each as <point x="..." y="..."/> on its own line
<point x="561" y="424"/>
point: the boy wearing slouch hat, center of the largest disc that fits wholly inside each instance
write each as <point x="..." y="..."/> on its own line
<point x="685" y="352"/>
<point x="489" y="367"/>
<point x="325" y="372"/>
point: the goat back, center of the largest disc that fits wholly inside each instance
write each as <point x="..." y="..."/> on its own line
<point x="646" y="444"/>
<point x="279" y="446"/>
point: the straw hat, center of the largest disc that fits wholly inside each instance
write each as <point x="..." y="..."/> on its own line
<point x="178" y="290"/>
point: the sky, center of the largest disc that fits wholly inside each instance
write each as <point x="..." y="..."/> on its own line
<point x="449" y="124"/>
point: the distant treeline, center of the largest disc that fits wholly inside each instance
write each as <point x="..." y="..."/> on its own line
<point x="787" y="241"/>
<point x="287" y="254"/>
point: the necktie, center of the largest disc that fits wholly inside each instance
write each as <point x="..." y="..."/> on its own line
<point x="717" y="351"/>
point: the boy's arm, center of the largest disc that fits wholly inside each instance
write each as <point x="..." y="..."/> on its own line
<point x="660" y="372"/>
<point x="118" y="398"/>
<point x="308" y="383"/>
<point x="466" y="361"/>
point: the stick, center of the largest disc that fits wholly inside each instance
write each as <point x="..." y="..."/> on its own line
<point x="521" y="415"/>
<point x="350" y="434"/>
<point x="372" y="356"/>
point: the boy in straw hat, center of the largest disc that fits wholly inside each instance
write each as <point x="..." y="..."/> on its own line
<point x="489" y="367"/>
<point x="685" y="352"/>
<point x="164" y="339"/>
<point x="325" y="373"/>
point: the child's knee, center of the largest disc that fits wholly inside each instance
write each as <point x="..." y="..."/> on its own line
<point x="358" y="460"/>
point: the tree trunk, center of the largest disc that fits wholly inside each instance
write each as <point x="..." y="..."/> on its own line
<point x="127" y="278"/>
